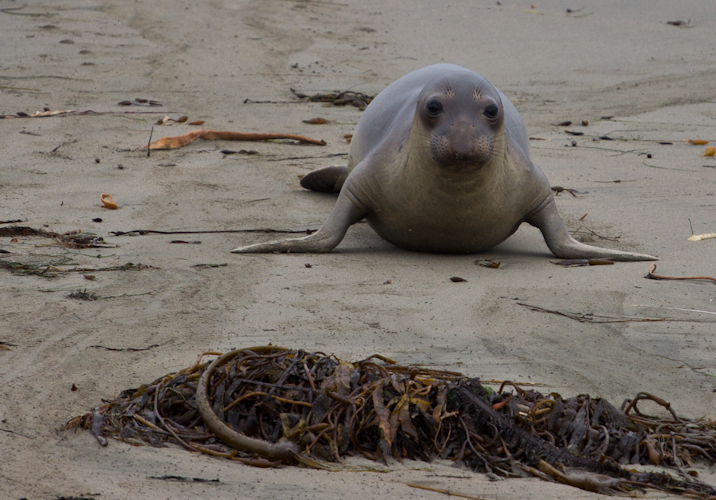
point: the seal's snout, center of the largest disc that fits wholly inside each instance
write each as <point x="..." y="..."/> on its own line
<point x="461" y="146"/>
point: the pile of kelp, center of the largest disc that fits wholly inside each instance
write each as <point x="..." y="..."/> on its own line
<point x="268" y="406"/>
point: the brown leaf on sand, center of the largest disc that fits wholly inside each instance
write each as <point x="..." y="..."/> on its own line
<point x="696" y="142"/>
<point x="348" y="137"/>
<point x="212" y="135"/>
<point x="710" y="151"/>
<point x="108" y="202"/>
<point x="317" y="121"/>
<point x="196" y="122"/>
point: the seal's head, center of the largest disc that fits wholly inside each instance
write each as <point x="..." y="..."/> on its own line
<point x="463" y="119"/>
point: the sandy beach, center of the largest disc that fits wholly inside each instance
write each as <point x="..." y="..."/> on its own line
<point x="619" y="68"/>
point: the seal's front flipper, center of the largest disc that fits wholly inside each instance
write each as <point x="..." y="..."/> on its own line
<point x="345" y="213"/>
<point x="325" y="180"/>
<point x="561" y="243"/>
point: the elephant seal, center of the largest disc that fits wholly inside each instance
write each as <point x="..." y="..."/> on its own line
<point x="439" y="162"/>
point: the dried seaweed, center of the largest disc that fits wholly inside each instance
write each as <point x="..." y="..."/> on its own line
<point x="51" y="270"/>
<point x="268" y="406"/>
<point x="338" y="98"/>
<point x="71" y="239"/>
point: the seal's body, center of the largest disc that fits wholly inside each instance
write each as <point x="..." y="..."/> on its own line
<point x="439" y="162"/>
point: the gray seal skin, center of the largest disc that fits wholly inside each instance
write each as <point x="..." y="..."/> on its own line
<point x="439" y="162"/>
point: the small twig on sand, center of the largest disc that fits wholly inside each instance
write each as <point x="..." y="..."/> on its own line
<point x="444" y="491"/>
<point x="616" y="238"/>
<point x="225" y="135"/>
<point x="149" y="142"/>
<point x="137" y="232"/>
<point x="588" y="317"/>
<point x="650" y="275"/>
<point x="127" y="349"/>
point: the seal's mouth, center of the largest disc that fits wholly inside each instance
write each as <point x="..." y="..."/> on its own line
<point x="461" y="154"/>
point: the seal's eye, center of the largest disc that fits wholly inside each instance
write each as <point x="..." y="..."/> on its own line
<point x="434" y="108"/>
<point x="491" y="111"/>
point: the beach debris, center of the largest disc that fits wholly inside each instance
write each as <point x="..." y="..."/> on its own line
<point x="696" y="142"/>
<point x="170" y="121"/>
<point x="196" y="122"/>
<point x="141" y="232"/>
<point x="248" y="152"/>
<point x="224" y="135"/>
<point x="590" y="317"/>
<point x="458" y="279"/>
<point x="491" y="264"/>
<point x="107" y="201"/>
<point x="182" y="478"/>
<point x="565" y="123"/>
<point x="82" y="295"/>
<point x="585" y="123"/>
<point x="573" y="192"/>
<point x="338" y="98"/>
<point x="582" y="262"/>
<point x="48" y="112"/>
<point x="268" y="406"/>
<point x="699" y="237"/>
<point x="51" y="270"/>
<point x="71" y="239"/>
<point x="574" y="132"/>
<point x="653" y="276"/>
<point x="318" y="121"/>
<point x="140" y="102"/>
<point x="710" y="151"/>
<point x="348" y="137"/>
<point x="681" y="24"/>
<point x="451" y="493"/>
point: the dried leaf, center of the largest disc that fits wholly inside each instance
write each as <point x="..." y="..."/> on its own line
<point x="566" y="123"/>
<point x="316" y="121"/>
<point x="574" y="132"/>
<point x="710" y="151"/>
<point x="107" y="201"/>
<point x="699" y="237"/>
<point x="348" y="137"/>
<point x="457" y="279"/>
<point x="696" y="142"/>
<point x="39" y="114"/>
<point x="196" y="122"/>
<point x="181" y="119"/>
